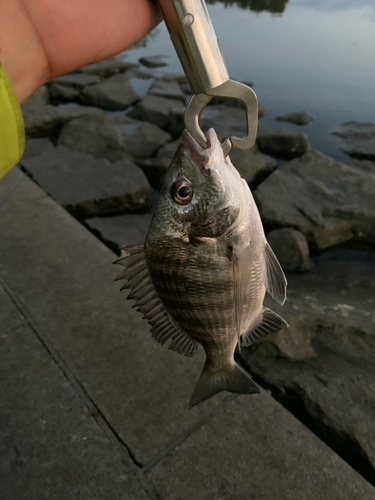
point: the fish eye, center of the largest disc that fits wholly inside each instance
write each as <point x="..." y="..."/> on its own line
<point x="182" y="192"/>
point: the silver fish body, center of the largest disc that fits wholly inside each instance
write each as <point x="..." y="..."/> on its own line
<point x="205" y="267"/>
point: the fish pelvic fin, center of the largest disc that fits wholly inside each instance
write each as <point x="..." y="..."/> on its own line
<point x="271" y="323"/>
<point x="233" y="379"/>
<point x="276" y="282"/>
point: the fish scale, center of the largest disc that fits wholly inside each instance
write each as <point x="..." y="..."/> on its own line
<point x="203" y="272"/>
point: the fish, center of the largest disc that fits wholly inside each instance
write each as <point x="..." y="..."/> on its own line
<point x="204" y="269"/>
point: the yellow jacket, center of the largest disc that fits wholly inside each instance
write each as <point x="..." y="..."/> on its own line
<point x="12" y="133"/>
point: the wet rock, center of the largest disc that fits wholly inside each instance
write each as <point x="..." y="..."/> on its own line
<point x="359" y="139"/>
<point x="76" y="80"/>
<point x="165" y="113"/>
<point x="107" y="68"/>
<point x="291" y="249"/>
<point x="141" y="139"/>
<point x="170" y="76"/>
<point x="252" y="165"/>
<point x="39" y="97"/>
<point x="35" y="147"/>
<point x="87" y="187"/>
<point x="153" y="61"/>
<point x="367" y="165"/>
<point x="328" y="201"/>
<point x="155" y="168"/>
<point x="168" y="89"/>
<point x="63" y="94"/>
<point x="140" y="74"/>
<point x="298" y="118"/>
<point x="237" y="103"/>
<point x="121" y="230"/>
<point x="282" y="143"/>
<point x="98" y="136"/>
<point x="48" y="120"/>
<point x="115" y="93"/>
<point x="185" y="87"/>
<point x="322" y="367"/>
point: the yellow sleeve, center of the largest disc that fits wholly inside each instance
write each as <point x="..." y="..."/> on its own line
<point x="12" y="133"/>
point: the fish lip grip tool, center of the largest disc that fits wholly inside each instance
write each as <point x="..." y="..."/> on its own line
<point x="197" y="47"/>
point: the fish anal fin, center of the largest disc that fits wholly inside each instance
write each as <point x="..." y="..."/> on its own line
<point x="275" y="278"/>
<point x="271" y="323"/>
<point x="233" y="379"/>
<point x="147" y="301"/>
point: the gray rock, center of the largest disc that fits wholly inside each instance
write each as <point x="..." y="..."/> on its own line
<point x="328" y="201"/>
<point x="98" y="136"/>
<point x="48" y="120"/>
<point x="76" y="80"/>
<point x="35" y="147"/>
<point x="185" y="87"/>
<point x="367" y="165"/>
<point x="237" y="103"/>
<point x="115" y="93"/>
<point x="141" y="139"/>
<point x="87" y="187"/>
<point x="63" y="94"/>
<point x="153" y="61"/>
<point x="140" y="74"/>
<point x="39" y="97"/>
<point x="282" y="143"/>
<point x="168" y="89"/>
<point x="291" y="249"/>
<point x="256" y="434"/>
<point x="298" y="118"/>
<point x="322" y="367"/>
<point x="252" y="165"/>
<point x="155" y="168"/>
<point x="359" y="137"/>
<point x="107" y="68"/>
<point x="165" y="113"/>
<point x="121" y="230"/>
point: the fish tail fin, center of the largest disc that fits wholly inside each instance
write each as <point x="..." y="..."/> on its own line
<point x="232" y="379"/>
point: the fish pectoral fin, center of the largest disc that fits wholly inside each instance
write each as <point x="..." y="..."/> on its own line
<point x="241" y="274"/>
<point x="275" y="277"/>
<point x="271" y="322"/>
<point x="233" y="379"/>
<point x="147" y="301"/>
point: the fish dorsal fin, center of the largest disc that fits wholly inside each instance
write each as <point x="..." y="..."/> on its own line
<point x="271" y="323"/>
<point x="138" y="281"/>
<point x="275" y="279"/>
<point x="241" y="274"/>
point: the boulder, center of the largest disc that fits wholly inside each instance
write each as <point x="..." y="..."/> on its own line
<point x="298" y="118"/>
<point x="129" y="229"/>
<point x="39" y="97"/>
<point x="168" y="89"/>
<point x="88" y="187"/>
<point x="252" y="165"/>
<point x="48" y="120"/>
<point x="35" y="147"/>
<point x="328" y="201"/>
<point x="237" y="103"/>
<point x="114" y="94"/>
<point x="165" y="113"/>
<point x="76" y="80"/>
<point x="63" y="94"/>
<point x="107" y="68"/>
<point x="291" y="249"/>
<point x="155" y="168"/>
<point x="359" y="139"/>
<point x="367" y="165"/>
<point x="281" y="143"/>
<point x="98" y="136"/>
<point x="141" y="139"/>
<point x="153" y="61"/>
<point x="322" y="367"/>
<point x="185" y="87"/>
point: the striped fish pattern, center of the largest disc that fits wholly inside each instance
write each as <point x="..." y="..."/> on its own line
<point x="205" y="267"/>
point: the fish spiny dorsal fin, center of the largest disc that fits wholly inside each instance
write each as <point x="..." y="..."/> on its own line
<point x="275" y="278"/>
<point x="204" y="158"/>
<point x="147" y="301"/>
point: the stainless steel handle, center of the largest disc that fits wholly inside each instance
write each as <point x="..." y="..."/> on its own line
<point x="196" y="44"/>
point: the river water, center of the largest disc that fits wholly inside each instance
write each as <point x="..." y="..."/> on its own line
<point x="302" y="55"/>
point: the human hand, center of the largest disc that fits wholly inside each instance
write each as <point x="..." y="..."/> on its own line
<point x="42" y="39"/>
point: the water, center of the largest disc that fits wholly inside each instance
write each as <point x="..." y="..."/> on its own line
<point x="302" y="55"/>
